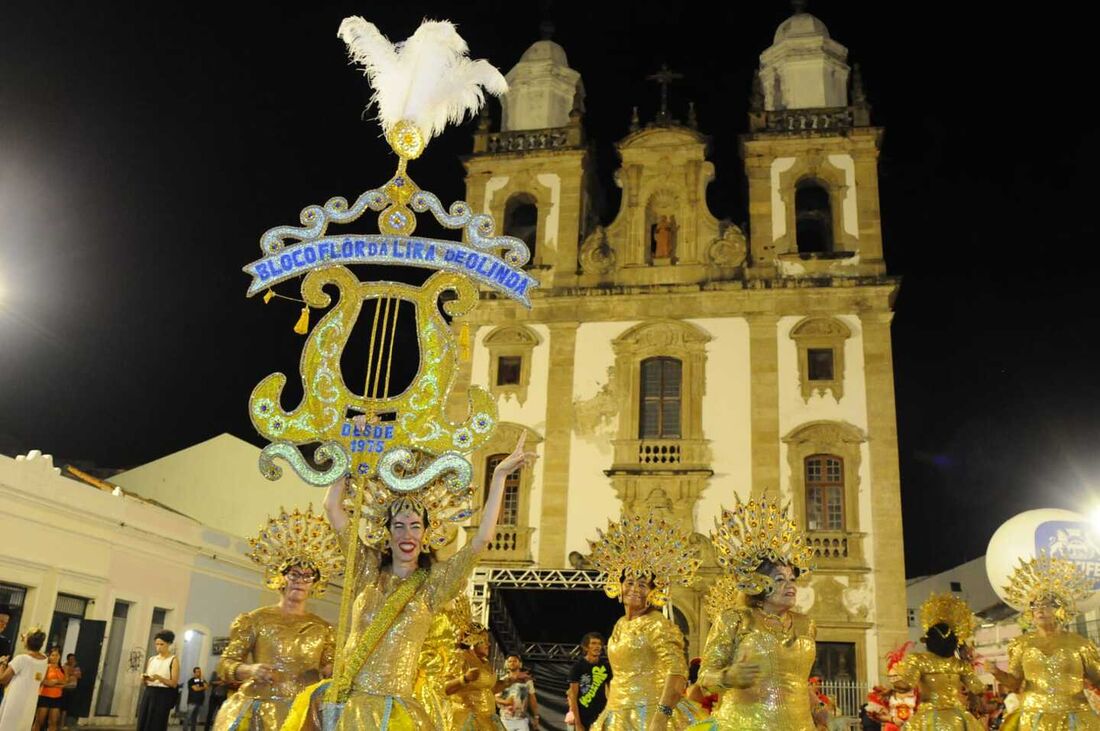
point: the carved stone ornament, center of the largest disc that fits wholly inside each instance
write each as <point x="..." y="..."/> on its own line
<point x="729" y="250"/>
<point x="597" y="256"/>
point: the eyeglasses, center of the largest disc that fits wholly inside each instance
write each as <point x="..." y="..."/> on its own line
<point x="300" y="577"/>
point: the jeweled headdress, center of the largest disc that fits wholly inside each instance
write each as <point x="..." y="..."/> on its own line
<point x="297" y="538"/>
<point x="636" y="547"/>
<point x="950" y="610"/>
<point x="442" y="489"/>
<point x="754" y="532"/>
<point x="723" y="595"/>
<point x="1047" y="578"/>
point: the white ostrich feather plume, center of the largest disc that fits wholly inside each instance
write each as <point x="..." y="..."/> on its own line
<point x="427" y="80"/>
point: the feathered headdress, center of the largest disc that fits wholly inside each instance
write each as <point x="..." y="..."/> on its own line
<point x="950" y="610"/>
<point x="897" y="655"/>
<point x="297" y="539"/>
<point x="1047" y="578"/>
<point x="754" y="532"/>
<point x="634" y="547"/>
<point x="421" y="84"/>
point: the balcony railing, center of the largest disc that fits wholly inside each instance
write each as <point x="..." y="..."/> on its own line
<point x="528" y="139"/>
<point x="836" y="548"/>
<point x="825" y="120"/>
<point x="510" y="546"/>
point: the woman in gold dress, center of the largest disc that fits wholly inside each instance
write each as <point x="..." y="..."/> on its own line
<point x="942" y="674"/>
<point x="398" y="586"/>
<point x="759" y="654"/>
<point x="473" y="691"/>
<point x="1048" y="666"/>
<point x="641" y="559"/>
<point x="278" y="650"/>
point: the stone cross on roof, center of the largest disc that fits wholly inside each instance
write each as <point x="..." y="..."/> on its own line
<point x="664" y="78"/>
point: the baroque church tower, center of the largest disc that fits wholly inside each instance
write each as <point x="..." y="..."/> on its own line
<point x="671" y="360"/>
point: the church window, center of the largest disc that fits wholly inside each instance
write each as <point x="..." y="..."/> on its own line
<point x="509" y="510"/>
<point x="508" y="370"/>
<point x="824" y="492"/>
<point x="820" y="342"/>
<point x="820" y="364"/>
<point x="813" y="218"/>
<point x="660" y="403"/>
<point x="521" y="219"/>
<point x="511" y="349"/>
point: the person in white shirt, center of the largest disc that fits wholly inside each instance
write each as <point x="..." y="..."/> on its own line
<point x="21" y="677"/>
<point x="519" y="708"/>
<point x="161" y="678"/>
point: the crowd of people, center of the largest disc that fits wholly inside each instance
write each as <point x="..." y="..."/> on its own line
<point x="36" y="689"/>
<point x="413" y="656"/>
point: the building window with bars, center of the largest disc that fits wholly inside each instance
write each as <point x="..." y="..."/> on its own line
<point x="509" y="509"/>
<point x="660" y="407"/>
<point x="824" y="492"/>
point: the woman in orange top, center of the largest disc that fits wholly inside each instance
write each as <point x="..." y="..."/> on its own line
<point x="49" y="696"/>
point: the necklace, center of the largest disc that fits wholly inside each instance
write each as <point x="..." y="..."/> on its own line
<point x="780" y="625"/>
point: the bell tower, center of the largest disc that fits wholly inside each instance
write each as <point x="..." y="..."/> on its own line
<point x="811" y="156"/>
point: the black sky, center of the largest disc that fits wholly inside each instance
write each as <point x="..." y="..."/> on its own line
<point x="145" y="147"/>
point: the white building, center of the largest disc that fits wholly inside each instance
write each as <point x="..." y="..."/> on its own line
<point x="103" y="571"/>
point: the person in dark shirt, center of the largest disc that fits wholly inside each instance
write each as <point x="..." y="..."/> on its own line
<point x="218" y="693"/>
<point x="196" y="694"/>
<point x="588" y="681"/>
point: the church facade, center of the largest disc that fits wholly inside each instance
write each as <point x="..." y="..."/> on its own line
<point x="671" y="360"/>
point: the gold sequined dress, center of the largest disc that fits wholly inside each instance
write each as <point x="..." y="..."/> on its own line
<point x="1053" y="670"/>
<point x="475" y="706"/>
<point x="940" y="682"/>
<point x="779" y="700"/>
<point x="437" y="663"/>
<point x="382" y="694"/>
<point x="643" y="652"/>
<point x="296" y="645"/>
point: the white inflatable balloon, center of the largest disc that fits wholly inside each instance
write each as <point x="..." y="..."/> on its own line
<point x="1061" y="533"/>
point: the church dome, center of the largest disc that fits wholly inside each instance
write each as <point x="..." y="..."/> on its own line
<point x="800" y="25"/>
<point x="545" y="51"/>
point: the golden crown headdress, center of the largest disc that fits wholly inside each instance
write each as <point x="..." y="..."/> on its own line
<point x="468" y="631"/>
<point x="420" y="483"/>
<point x="297" y="538"/>
<point x="950" y="610"/>
<point x="1047" y="577"/>
<point x="754" y="532"/>
<point x="723" y="596"/>
<point x="636" y="547"/>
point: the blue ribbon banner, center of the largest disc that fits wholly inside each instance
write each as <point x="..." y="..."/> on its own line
<point x="484" y="267"/>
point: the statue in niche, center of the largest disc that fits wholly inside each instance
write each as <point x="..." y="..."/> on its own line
<point x="663" y="233"/>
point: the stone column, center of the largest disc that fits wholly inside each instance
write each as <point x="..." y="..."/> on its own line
<point x="764" y="402"/>
<point x="888" y="546"/>
<point x="559" y="434"/>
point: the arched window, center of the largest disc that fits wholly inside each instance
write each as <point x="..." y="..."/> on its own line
<point x="521" y="219"/>
<point x="824" y="492"/>
<point x="509" y="509"/>
<point x="660" y="407"/>
<point x="813" y="218"/>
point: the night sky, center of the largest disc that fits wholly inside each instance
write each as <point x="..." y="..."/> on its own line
<point x="145" y="147"/>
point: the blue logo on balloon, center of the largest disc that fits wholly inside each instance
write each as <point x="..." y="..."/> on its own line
<point x="1073" y="540"/>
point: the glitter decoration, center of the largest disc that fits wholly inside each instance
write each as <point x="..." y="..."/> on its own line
<point x="722" y="597"/>
<point x="293" y="539"/>
<point x="756" y="531"/>
<point x="950" y="610"/>
<point x="634" y="547"/>
<point x="326" y="398"/>
<point x="330" y="452"/>
<point x="1045" y="578"/>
